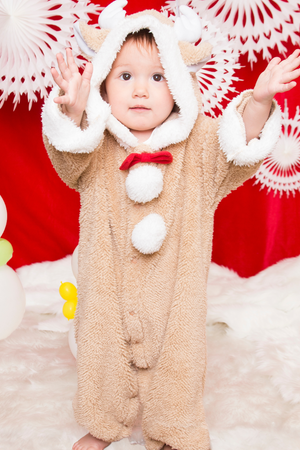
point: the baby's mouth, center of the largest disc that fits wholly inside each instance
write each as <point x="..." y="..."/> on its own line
<point x="140" y="108"/>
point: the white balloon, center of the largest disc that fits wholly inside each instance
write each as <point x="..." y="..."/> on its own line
<point x="3" y="216"/>
<point x="12" y="301"/>
<point x="74" y="262"/>
<point x="72" y="342"/>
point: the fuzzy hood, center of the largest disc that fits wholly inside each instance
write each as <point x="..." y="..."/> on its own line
<point x="175" y="56"/>
<point x="177" y="75"/>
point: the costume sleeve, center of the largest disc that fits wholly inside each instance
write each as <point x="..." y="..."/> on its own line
<point x="228" y="160"/>
<point x="73" y="168"/>
<point x="71" y="148"/>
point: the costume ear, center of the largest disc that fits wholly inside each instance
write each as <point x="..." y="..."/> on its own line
<point x="194" y="54"/>
<point x="188" y="25"/>
<point x="112" y="15"/>
<point x="188" y="30"/>
<point x="88" y="38"/>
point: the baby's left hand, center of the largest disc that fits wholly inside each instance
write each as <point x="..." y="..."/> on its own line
<point x="277" y="78"/>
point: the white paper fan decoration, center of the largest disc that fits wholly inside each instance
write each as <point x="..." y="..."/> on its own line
<point x="280" y="171"/>
<point x="31" y="33"/>
<point x="215" y="78"/>
<point x="258" y="25"/>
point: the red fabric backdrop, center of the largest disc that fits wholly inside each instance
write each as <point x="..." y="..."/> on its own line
<point x="253" y="229"/>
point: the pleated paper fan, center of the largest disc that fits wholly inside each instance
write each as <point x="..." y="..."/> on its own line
<point x="280" y="171"/>
<point x="257" y="25"/>
<point x="31" y="33"/>
<point x="215" y="78"/>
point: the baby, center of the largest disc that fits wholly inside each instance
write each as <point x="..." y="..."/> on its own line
<point x="150" y="170"/>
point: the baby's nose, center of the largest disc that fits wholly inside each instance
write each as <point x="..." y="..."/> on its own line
<point x="140" y="90"/>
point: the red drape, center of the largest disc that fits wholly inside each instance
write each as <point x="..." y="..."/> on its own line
<point x="253" y="229"/>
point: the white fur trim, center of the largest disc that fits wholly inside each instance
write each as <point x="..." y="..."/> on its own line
<point x="148" y="235"/>
<point x="65" y="135"/>
<point x="81" y="42"/>
<point x="144" y="183"/>
<point x="232" y="136"/>
<point x="178" y="77"/>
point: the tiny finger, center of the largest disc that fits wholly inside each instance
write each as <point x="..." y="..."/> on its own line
<point x="293" y="64"/>
<point x="58" y="100"/>
<point x="288" y="86"/>
<point x="60" y="61"/>
<point x="88" y="71"/>
<point x="58" y="79"/>
<point x="63" y="66"/>
<point x="54" y="73"/>
<point x="292" y="61"/>
<point x="71" y="61"/>
<point x="291" y="75"/>
<point x="294" y="55"/>
<point x="273" y="63"/>
<point x="62" y="100"/>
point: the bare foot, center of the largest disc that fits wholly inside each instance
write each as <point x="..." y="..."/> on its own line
<point x="89" y="442"/>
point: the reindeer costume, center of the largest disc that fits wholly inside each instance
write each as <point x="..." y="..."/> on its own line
<point x="145" y="241"/>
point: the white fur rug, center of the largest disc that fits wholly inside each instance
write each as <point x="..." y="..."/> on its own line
<point x="252" y="397"/>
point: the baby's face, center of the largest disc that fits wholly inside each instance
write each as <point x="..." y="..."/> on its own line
<point x="137" y="90"/>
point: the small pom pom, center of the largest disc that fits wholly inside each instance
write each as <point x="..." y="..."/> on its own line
<point x="148" y="235"/>
<point x="144" y="183"/>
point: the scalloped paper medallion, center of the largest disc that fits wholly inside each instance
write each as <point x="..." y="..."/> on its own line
<point x="280" y="171"/>
<point x="256" y="25"/>
<point x="31" y="33"/>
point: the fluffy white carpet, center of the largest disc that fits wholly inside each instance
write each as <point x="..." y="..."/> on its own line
<point x="252" y="397"/>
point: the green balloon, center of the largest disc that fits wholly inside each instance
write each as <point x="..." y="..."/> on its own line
<point x="6" y="251"/>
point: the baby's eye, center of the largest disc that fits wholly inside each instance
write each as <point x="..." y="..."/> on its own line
<point x="125" y="76"/>
<point x="158" y="77"/>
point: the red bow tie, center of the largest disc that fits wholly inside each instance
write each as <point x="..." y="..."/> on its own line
<point x="158" y="158"/>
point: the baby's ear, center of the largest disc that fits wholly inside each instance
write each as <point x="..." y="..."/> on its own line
<point x="194" y="54"/>
<point x="89" y="38"/>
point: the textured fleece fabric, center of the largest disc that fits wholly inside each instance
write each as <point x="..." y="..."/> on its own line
<point x="140" y="319"/>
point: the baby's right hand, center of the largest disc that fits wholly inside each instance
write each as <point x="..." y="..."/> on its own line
<point x="76" y="87"/>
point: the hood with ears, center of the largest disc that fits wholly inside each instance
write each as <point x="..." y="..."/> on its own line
<point x="177" y="56"/>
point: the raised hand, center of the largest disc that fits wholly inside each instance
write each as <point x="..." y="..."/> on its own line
<point x="76" y="87"/>
<point x="277" y="78"/>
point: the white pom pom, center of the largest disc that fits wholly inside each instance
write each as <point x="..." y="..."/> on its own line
<point x="144" y="183"/>
<point x="148" y="235"/>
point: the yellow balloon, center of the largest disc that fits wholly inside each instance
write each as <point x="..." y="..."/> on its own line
<point x="69" y="309"/>
<point x="68" y="291"/>
<point x="6" y="251"/>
